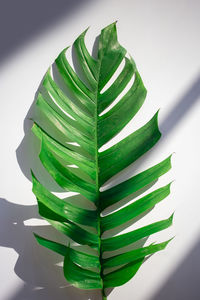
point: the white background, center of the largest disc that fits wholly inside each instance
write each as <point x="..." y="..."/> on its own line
<point x="163" y="38"/>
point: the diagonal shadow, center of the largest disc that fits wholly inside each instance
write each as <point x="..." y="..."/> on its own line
<point x="183" y="284"/>
<point x="22" y="20"/>
<point x="181" y="108"/>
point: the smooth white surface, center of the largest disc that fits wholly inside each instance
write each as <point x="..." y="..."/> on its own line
<point x="163" y="38"/>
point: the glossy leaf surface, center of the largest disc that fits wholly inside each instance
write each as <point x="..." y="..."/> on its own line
<point x="72" y="127"/>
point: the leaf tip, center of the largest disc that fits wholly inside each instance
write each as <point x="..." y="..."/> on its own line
<point x="171" y="183"/>
<point x="155" y="121"/>
<point x="156" y="114"/>
<point x="82" y="35"/>
<point x="170" y="156"/>
<point x="111" y="26"/>
<point x="171" y="239"/>
<point x="171" y="218"/>
<point x="32" y="174"/>
<point x="61" y="54"/>
<point x="37" y="237"/>
<point x="167" y="242"/>
<point x="86" y="30"/>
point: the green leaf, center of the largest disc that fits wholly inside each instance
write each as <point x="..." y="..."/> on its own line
<point x="62" y="210"/>
<point x="76" y="233"/>
<point x="122" y="275"/>
<point x="81" y="93"/>
<point x="72" y="125"/>
<point x="56" y="247"/>
<point x="65" y="153"/>
<point x="80" y="277"/>
<point x="133" y="210"/>
<point x="128" y="150"/>
<point x="80" y="258"/>
<point x="87" y="63"/>
<point x="63" y="176"/>
<point x="65" y="103"/>
<point x="117" y="87"/>
<point x="128" y="238"/>
<point x="134" y="184"/>
<point x="108" y="124"/>
<point x="133" y="255"/>
<point x="65" y="128"/>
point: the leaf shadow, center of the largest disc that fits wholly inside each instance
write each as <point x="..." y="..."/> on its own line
<point x="96" y="47"/>
<point x="36" y="266"/>
<point x="27" y="153"/>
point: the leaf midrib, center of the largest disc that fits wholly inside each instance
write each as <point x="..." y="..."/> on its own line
<point x="97" y="173"/>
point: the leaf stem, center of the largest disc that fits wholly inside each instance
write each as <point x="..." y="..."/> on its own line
<point x="103" y="295"/>
<point x="97" y="183"/>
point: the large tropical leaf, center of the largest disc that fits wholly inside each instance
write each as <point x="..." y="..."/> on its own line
<point x="72" y="126"/>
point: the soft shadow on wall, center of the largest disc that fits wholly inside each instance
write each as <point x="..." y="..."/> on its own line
<point x="183" y="284"/>
<point x="22" y="20"/>
<point x="36" y="266"/>
<point x="182" y="107"/>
